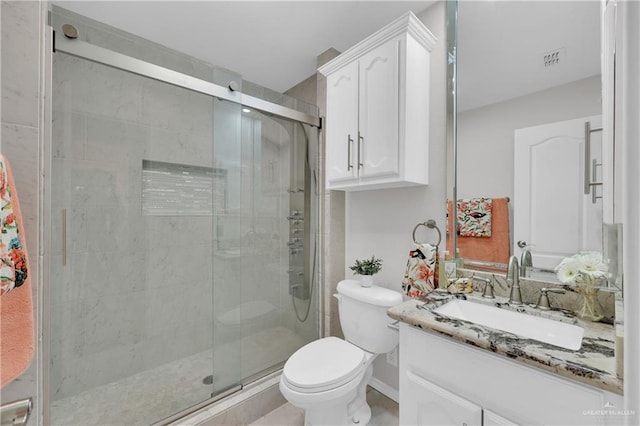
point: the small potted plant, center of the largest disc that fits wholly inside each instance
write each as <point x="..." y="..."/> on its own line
<point x="367" y="268"/>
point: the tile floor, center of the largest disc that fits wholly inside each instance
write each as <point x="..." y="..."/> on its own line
<point x="150" y="395"/>
<point x="384" y="412"/>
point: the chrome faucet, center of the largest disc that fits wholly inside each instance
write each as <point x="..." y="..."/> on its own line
<point x="543" y="300"/>
<point x="487" y="293"/>
<point x="526" y="261"/>
<point x="513" y="276"/>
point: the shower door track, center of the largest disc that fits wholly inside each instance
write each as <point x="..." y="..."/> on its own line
<point x="123" y="62"/>
<point x="248" y="382"/>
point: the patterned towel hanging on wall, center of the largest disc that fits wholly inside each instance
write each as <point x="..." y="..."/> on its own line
<point x="13" y="263"/>
<point x="420" y="276"/>
<point x="17" y="336"/>
<point x="474" y="217"/>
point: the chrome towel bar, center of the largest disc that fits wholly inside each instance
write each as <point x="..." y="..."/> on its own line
<point x="15" y="413"/>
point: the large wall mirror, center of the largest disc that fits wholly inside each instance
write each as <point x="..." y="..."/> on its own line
<point x="526" y="121"/>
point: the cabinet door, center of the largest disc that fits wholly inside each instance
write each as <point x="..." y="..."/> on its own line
<point x="489" y="418"/>
<point x="424" y="403"/>
<point x="377" y="147"/>
<point x="342" y="124"/>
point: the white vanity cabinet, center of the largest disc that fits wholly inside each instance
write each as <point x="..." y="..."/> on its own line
<point x="377" y="124"/>
<point x="425" y="403"/>
<point x="489" y="418"/>
<point x="443" y="382"/>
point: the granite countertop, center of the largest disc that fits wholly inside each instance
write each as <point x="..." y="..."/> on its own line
<point x="593" y="364"/>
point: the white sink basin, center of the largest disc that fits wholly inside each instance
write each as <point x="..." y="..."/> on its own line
<point x="557" y="333"/>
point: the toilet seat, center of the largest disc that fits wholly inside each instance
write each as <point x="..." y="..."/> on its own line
<point x="324" y="364"/>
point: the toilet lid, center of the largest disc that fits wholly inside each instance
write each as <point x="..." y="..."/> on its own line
<point x="324" y="364"/>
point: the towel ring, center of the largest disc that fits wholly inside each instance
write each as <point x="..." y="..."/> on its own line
<point x="431" y="224"/>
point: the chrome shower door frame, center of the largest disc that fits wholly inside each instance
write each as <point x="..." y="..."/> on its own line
<point x="123" y="62"/>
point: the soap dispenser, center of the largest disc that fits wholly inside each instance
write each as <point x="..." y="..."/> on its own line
<point x="440" y="272"/>
<point x="459" y="259"/>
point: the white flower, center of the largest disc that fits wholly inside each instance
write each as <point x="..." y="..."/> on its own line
<point x="568" y="270"/>
<point x="592" y="262"/>
<point x="582" y="267"/>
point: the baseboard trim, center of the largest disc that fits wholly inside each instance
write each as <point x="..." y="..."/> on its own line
<point x="385" y="389"/>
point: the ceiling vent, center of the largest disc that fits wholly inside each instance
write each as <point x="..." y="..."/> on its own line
<point x="553" y="58"/>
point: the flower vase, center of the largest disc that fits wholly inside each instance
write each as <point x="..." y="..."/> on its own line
<point x="591" y="309"/>
<point x="366" y="280"/>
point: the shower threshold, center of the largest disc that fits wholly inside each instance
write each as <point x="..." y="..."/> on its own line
<point x="233" y="401"/>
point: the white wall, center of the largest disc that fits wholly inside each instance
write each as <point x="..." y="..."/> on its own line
<point x="380" y="222"/>
<point x="485" y="135"/>
<point x="627" y="113"/>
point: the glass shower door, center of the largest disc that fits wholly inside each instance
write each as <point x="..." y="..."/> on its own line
<point x="135" y="197"/>
<point x="227" y="256"/>
<point x="265" y="244"/>
<point x="276" y="239"/>
<point x="183" y="235"/>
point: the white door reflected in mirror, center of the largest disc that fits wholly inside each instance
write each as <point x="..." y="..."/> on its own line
<point x="552" y="213"/>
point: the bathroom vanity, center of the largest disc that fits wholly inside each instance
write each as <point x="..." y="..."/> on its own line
<point x="459" y="372"/>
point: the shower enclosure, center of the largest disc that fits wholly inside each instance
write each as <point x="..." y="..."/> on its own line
<point x="182" y="232"/>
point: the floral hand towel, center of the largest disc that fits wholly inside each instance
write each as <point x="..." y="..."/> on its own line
<point x="13" y="265"/>
<point x="17" y="337"/>
<point x="420" y="277"/>
<point x="474" y="217"/>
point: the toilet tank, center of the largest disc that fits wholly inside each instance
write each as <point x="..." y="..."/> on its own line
<point x="363" y="315"/>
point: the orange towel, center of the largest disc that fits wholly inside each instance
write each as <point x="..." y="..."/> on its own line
<point x="496" y="248"/>
<point x="16" y="306"/>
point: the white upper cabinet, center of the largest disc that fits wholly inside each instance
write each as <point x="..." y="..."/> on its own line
<point x="343" y="130"/>
<point x="378" y="106"/>
<point x="377" y="125"/>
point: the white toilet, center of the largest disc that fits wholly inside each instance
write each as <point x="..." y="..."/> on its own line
<point x="328" y="377"/>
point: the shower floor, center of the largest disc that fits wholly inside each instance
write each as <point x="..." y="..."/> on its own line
<point x="157" y="393"/>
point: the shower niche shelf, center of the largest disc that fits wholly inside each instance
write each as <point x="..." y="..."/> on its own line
<point x="171" y="189"/>
<point x="377" y="123"/>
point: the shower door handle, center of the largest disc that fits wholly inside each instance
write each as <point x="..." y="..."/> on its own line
<point x="64" y="237"/>
<point x="349" y="144"/>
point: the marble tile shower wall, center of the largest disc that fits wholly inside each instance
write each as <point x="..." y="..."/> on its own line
<point x="136" y="290"/>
